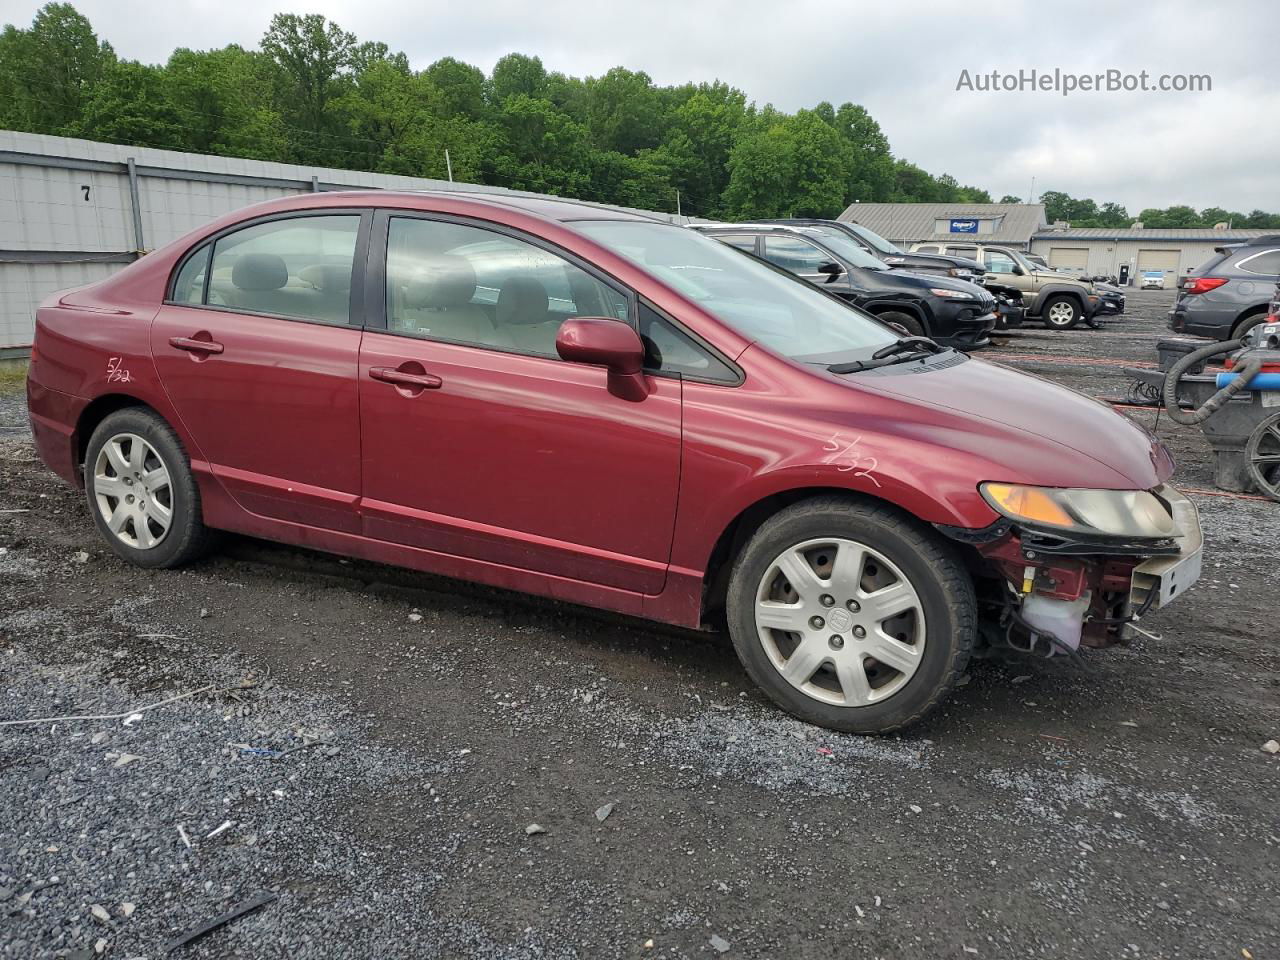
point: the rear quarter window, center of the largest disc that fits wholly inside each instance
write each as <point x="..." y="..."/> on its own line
<point x="1266" y="264"/>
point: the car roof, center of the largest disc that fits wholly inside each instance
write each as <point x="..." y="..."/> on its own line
<point x="756" y="227"/>
<point x="549" y="208"/>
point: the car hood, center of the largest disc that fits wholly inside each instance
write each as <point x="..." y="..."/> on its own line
<point x="937" y="258"/>
<point x="933" y="280"/>
<point x="1052" y="276"/>
<point x="1044" y="433"/>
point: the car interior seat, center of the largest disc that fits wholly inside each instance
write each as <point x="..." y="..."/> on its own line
<point x="436" y="301"/>
<point x="524" y="317"/>
<point x="258" y="282"/>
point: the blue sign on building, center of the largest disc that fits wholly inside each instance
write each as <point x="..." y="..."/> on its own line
<point x="964" y="226"/>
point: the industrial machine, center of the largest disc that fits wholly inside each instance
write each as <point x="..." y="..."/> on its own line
<point x="1238" y="409"/>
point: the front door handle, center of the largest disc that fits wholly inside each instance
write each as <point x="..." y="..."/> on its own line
<point x="404" y="378"/>
<point x="193" y="345"/>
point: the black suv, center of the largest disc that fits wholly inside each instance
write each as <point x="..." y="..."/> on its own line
<point x="891" y="254"/>
<point x="953" y="312"/>
<point x="1009" y="310"/>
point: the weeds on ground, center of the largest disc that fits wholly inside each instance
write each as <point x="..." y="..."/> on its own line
<point x="12" y="378"/>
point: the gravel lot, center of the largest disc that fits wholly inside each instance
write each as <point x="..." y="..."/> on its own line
<point x="379" y="743"/>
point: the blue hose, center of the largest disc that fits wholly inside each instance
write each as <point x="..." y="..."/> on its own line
<point x="1263" y="381"/>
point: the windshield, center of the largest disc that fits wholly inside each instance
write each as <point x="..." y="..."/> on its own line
<point x="760" y="302"/>
<point x="838" y="242"/>
<point x="876" y="241"/>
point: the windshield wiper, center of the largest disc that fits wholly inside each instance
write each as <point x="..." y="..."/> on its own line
<point x="900" y="351"/>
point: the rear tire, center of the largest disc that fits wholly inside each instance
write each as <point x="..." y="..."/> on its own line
<point x="1060" y="313"/>
<point x="872" y="582"/>
<point x="142" y="495"/>
<point x="1247" y="324"/>
<point x="906" y="321"/>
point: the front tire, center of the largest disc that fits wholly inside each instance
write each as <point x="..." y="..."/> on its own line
<point x="142" y="495"/>
<point x="850" y="615"/>
<point x="904" y="321"/>
<point x="1061" y="313"/>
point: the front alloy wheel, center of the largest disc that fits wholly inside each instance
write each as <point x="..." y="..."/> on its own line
<point x="851" y="614"/>
<point x="839" y="622"/>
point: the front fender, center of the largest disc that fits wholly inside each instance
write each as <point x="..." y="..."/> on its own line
<point x="1054" y="289"/>
<point x="731" y="464"/>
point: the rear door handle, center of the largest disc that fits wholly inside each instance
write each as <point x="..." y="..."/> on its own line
<point x="192" y="345"/>
<point x="401" y="378"/>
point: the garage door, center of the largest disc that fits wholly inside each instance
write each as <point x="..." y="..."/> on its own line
<point x="1075" y="259"/>
<point x="1166" y="260"/>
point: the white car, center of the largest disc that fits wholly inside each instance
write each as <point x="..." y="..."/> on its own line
<point x="1152" y="280"/>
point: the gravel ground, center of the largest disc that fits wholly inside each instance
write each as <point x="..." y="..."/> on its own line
<point x="380" y="743"/>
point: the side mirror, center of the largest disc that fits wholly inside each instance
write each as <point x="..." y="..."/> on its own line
<point x="606" y="343"/>
<point x="831" y="269"/>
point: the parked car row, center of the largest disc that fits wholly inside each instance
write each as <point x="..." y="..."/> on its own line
<point x="951" y="311"/>
<point x="1060" y="301"/>
<point x="613" y="411"/>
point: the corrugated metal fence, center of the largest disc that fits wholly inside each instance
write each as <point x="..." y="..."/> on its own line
<point x="73" y="211"/>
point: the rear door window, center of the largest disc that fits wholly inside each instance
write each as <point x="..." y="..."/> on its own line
<point x="299" y="267"/>
<point x="795" y="254"/>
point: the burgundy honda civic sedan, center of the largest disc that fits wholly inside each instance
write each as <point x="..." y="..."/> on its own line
<point x="609" y="410"/>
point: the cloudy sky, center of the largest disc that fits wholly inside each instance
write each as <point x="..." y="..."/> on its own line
<point x="900" y="60"/>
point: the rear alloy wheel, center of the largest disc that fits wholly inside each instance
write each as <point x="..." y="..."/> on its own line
<point x="1061" y="313"/>
<point x="850" y="616"/>
<point x="133" y="491"/>
<point x="142" y="495"/>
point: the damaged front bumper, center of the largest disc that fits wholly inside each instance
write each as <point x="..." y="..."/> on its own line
<point x="1159" y="580"/>
<point x="1067" y="589"/>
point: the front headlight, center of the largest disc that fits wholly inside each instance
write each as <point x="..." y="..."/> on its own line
<point x="950" y="294"/>
<point x="1110" y="513"/>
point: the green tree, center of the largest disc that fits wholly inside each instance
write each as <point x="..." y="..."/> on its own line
<point x="316" y="59"/>
<point x="1173" y="217"/>
<point x="546" y="150"/>
<point x="1261" y="220"/>
<point x="1113" y="215"/>
<point x="871" y="175"/>
<point x="130" y="104"/>
<point x="1010" y="198"/>
<point x="623" y="112"/>
<point x="461" y="87"/>
<point x="517" y="75"/>
<point x="225" y="100"/>
<point x="795" y="167"/>
<point x="48" y="73"/>
<point x="383" y="106"/>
